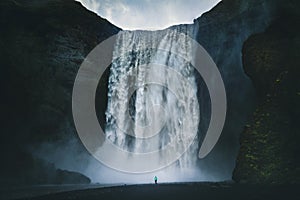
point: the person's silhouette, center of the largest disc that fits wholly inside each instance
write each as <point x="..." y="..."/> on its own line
<point x="155" y="179"/>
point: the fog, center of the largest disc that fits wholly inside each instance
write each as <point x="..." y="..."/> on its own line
<point x="69" y="155"/>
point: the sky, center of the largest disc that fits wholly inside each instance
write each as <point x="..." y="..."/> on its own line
<point x="149" y="14"/>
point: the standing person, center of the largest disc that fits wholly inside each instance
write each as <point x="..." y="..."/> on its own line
<point x="155" y="179"/>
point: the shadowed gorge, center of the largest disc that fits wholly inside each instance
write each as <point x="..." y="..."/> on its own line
<point x="255" y="45"/>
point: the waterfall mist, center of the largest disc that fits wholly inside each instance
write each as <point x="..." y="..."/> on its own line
<point x="151" y="117"/>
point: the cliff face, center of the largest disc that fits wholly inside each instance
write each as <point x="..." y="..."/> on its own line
<point x="269" y="150"/>
<point x="222" y="32"/>
<point x="268" y="142"/>
<point x="42" y="44"/>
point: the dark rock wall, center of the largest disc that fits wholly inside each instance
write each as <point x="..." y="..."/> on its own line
<point x="270" y="148"/>
<point x="42" y="44"/>
<point x="222" y="32"/>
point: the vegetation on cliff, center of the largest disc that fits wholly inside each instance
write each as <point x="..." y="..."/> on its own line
<point x="269" y="151"/>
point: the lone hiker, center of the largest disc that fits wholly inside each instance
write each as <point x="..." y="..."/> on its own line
<point x="155" y="179"/>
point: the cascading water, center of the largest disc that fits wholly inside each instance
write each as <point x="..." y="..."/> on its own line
<point x="151" y="116"/>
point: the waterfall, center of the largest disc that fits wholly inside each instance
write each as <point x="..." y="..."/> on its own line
<point x="144" y="117"/>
